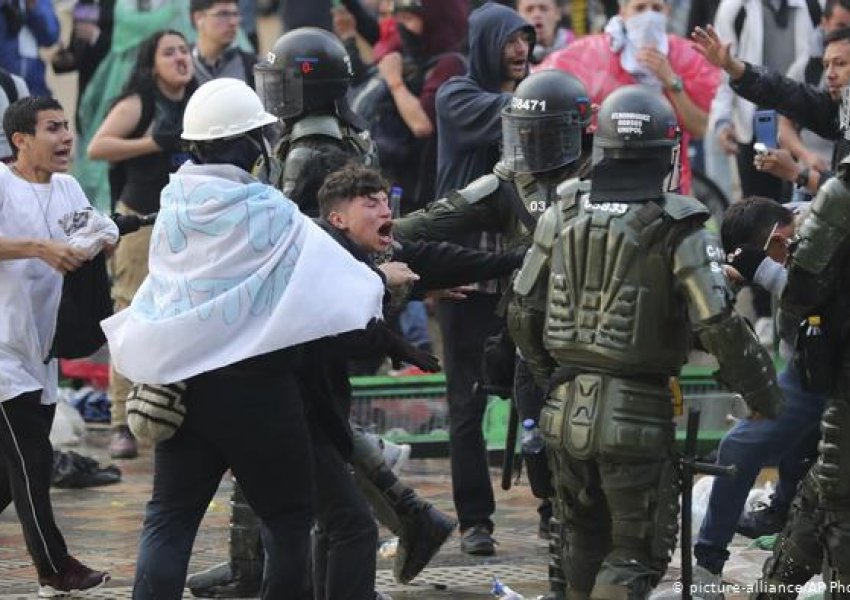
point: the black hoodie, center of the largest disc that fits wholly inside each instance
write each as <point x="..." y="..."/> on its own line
<point x="469" y="107"/>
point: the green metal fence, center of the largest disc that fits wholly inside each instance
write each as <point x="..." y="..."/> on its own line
<point x="413" y="410"/>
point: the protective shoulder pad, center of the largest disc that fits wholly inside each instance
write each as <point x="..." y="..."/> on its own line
<point x="569" y="189"/>
<point x="316" y="125"/>
<point x="538" y="254"/>
<point x="826" y="227"/>
<point x="681" y="207"/>
<point x="480" y="188"/>
<point x="294" y="163"/>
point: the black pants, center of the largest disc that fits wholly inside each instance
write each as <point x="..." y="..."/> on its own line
<point x="465" y="324"/>
<point x="256" y="427"/>
<point x="346" y="536"/>
<point x="25" y="472"/>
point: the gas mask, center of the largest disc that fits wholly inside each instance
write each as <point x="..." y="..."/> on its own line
<point x="242" y="151"/>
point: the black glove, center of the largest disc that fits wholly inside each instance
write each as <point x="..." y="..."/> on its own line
<point x="746" y="260"/>
<point x="399" y="349"/>
<point x="167" y="136"/>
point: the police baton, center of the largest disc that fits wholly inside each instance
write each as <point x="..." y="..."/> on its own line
<point x="510" y="447"/>
<point x="690" y="467"/>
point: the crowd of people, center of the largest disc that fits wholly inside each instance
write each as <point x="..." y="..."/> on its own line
<point x="527" y="182"/>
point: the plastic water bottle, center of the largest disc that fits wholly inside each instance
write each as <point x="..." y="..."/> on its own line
<point x="502" y="591"/>
<point x="395" y="201"/>
<point x="532" y="441"/>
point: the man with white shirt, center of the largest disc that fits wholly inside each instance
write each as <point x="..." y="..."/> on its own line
<point x="36" y="200"/>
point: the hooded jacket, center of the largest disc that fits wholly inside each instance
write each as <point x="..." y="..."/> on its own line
<point x="469" y="107"/>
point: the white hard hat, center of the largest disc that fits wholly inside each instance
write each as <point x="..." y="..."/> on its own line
<point x="222" y="108"/>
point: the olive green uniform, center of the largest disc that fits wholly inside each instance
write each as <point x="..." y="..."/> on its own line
<point x="603" y="313"/>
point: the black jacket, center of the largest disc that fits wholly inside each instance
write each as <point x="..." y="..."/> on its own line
<point x="324" y="372"/>
<point x="805" y="104"/>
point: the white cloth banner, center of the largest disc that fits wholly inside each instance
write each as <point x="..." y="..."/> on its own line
<point x="235" y="271"/>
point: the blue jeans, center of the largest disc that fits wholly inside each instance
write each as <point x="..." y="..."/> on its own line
<point x="785" y="441"/>
<point x="413" y="322"/>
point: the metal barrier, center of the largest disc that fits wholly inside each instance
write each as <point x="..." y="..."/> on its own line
<point x="413" y="410"/>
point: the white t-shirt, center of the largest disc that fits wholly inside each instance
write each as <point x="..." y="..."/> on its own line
<point x="30" y="289"/>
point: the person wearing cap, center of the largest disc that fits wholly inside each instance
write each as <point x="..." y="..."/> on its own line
<point x="234" y="291"/>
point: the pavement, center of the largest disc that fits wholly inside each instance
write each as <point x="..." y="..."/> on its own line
<point x="101" y="526"/>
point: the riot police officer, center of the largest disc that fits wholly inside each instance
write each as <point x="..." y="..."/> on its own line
<point x="304" y="82"/>
<point x="543" y="144"/>
<point x="603" y="311"/>
<point x="813" y="315"/>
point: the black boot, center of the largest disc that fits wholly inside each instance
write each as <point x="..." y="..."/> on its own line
<point x="243" y="574"/>
<point x="421" y="528"/>
<point x="424" y="530"/>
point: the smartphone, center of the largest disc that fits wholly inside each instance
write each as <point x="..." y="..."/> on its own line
<point x="766" y="128"/>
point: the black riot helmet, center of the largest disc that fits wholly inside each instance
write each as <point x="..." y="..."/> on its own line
<point x="542" y="126"/>
<point x="307" y="69"/>
<point x="636" y="122"/>
<point x="639" y="136"/>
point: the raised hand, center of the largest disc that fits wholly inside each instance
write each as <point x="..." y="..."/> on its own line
<point x="709" y="44"/>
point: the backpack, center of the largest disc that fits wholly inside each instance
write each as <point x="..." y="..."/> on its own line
<point x="7" y="83"/>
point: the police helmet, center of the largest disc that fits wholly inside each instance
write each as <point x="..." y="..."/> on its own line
<point x="542" y="126"/>
<point x="307" y="69"/>
<point x="636" y="122"/>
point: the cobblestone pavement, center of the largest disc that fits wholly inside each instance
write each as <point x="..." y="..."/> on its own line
<point x="102" y="525"/>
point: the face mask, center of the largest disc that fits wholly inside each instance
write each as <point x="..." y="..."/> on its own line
<point x="410" y="42"/>
<point x="647" y="28"/>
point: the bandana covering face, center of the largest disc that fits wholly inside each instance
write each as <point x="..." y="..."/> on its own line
<point x="235" y="271"/>
<point x="648" y="28"/>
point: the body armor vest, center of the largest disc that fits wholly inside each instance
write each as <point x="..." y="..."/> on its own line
<point x="308" y="137"/>
<point x="614" y="303"/>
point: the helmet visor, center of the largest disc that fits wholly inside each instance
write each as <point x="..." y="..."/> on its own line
<point x="533" y="144"/>
<point x="281" y="90"/>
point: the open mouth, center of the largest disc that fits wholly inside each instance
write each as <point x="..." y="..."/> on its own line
<point x="63" y="154"/>
<point x="182" y="68"/>
<point x="518" y="64"/>
<point x="385" y="233"/>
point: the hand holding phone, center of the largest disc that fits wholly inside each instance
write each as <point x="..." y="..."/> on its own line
<point x="765" y="128"/>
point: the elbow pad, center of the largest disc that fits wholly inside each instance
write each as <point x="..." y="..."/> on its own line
<point x="697" y="265"/>
<point x="826" y="227"/>
<point x="538" y="255"/>
<point x="745" y="365"/>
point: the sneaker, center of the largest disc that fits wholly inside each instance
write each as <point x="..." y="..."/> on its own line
<point x="766" y="519"/>
<point x="478" y="541"/>
<point x="706" y="586"/>
<point x="122" y="444"/>
<point x="73" y="577"/>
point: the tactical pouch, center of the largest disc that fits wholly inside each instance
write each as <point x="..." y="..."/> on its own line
<point x="601" y="416"/>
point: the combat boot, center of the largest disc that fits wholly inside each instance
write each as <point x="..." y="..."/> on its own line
<point x="424" y="530"/>
<point x="421" y="528"/>
<point x="242" y="575"/>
